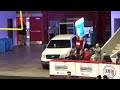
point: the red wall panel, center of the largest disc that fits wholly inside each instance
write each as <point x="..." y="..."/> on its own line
<point x="88" y="15"/>
<point x="36" y="23"/>
<point x="35" y="36"/>
<point x="45" y="26"/>
<point x="60" y="15"/>
<point x="36" y="27"/>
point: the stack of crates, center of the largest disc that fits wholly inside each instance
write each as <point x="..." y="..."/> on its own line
<point x="6" y="44"/>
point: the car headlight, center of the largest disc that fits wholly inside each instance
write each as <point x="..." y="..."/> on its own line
<point x="43" y="56"/>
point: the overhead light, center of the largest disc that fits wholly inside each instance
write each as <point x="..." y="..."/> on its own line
<point x="28" y="18"/>
<point x="37" y="18"/>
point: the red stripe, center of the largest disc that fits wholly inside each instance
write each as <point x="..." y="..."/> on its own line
<point x="87" y="61"/>
<point x="65" y="77"/>
<point x="83" y="61"/>
<point x="63" y="61"/>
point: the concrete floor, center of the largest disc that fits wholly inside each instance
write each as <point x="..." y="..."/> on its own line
<point x="23" y="61"/>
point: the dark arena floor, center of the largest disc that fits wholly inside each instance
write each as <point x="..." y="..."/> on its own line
<point x="23" y="61"/>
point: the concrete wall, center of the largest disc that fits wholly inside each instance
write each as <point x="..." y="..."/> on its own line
<point x="4" y="15"/>
<point x="114" y="14"/>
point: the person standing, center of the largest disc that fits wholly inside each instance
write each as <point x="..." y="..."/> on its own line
<point x="97" y="51"/>
<point x="79" y="43"/>
<point x="72" y="55"/>
<point x="87" y="54"/>
<point x="69" y="75"/>
<point x="80" y="55"/>
<point x="106" y="58"/>
<point x="99" y="77"/>
<point x="52" y="30"/>
<point x="118" y="58"/>
<point x="22" y="34"/>
<point x="105" y="77"/>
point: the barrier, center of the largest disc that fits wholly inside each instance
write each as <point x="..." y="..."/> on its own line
<point x="82" y="68"/>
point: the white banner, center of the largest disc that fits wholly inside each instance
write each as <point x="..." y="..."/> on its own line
<point x="61" y="68"/>
<point x="111" y="70"/>
<point x="87" y="69"/>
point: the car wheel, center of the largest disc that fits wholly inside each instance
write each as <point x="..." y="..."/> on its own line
<point x="45" y="66"/>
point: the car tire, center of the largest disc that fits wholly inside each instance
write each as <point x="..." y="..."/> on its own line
<point x="44" y="66"/>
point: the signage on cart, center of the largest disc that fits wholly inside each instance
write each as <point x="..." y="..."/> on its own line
<point x="109" y="71"/>
<point x="86" y="69"/>
<point x="79" y="25"/>
<point x="61" y="66"/>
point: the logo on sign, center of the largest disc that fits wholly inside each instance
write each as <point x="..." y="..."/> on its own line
<point x="61" y="66"/>
<point x="109" y="71"/>
<point x="85" y="68"/>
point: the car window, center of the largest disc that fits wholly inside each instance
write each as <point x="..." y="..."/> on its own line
<point x="59" y="44"/>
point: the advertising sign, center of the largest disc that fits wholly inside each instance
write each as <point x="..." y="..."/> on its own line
<point x="61" y="68"/>
<point x="84" y="69"/>
<point x="87" y="30"/>
<point x="111" y="70"/>
<point x="87" y="69"/>
<point x="79" y="25"/>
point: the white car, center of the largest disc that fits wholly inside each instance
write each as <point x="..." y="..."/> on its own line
<point x="58" y="47"/>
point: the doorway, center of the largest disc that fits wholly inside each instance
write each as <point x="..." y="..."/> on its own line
<point x="36" y="30"/>
<point x="17" y="24"/>
<point x="10" y="25"/>
<point x="116" y="24"/>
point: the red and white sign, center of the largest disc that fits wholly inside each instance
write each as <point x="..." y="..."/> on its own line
<point x="84" y="68"/>
<point x="87" y="69"/>
<point x="111" y="70"/>
<point x="60" y="67"/>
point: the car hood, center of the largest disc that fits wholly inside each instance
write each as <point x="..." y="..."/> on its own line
<point x="56" y="51"/>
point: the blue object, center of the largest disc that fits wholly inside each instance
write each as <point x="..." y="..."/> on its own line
<point x="93" y="38"/>
<point x="6" y="43"/>
<point x="79" y="25"/>
<point x="10" y="44"/>
<point x="2" y="46"/>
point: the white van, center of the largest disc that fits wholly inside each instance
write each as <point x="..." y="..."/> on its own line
<point x="59" y="47"/>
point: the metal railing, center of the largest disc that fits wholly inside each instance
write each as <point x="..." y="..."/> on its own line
<point x="111" y="43"/>
<point x="114" y="54"/>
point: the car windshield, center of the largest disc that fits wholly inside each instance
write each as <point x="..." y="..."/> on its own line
<point x="59" y="44"/>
